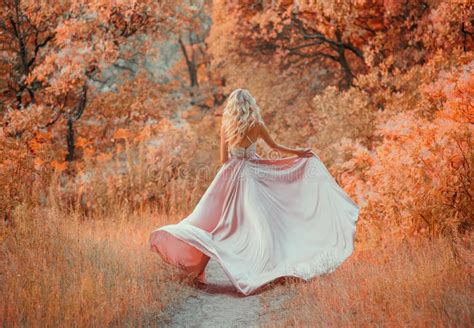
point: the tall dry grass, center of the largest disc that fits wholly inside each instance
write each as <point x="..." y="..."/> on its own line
<point x="414" y="284"/>
<point x="74" y="243"/>
<point x="169" y="177"/>
<point x="58" y="270"/>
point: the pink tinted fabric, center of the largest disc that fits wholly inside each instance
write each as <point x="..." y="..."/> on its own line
<point x="262" y="219"/>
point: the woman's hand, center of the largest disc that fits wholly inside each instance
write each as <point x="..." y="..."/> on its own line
<point x="265" y="135"/>
<point x="305" y="152"/>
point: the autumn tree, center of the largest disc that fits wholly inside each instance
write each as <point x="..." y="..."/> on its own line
<point x="418" y="179"/>
<point x="413" y="31"/>
<point x="204" y="84"/>
<point x="300" y="33"/>
<point x="60" y="53"/>
<point x="26" y="28"/>
<point x="350" y="34"/>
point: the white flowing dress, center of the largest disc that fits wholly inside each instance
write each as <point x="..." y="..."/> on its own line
<point x="261" y="219"/>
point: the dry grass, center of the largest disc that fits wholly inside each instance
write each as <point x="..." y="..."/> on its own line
<point x="75" y="253"/>
<point x="74" y="249"/>
<point x="60" y="271"/>
<point x="412" y="285"/>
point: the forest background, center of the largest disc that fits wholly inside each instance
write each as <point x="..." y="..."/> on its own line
<point x="109" y="126"/>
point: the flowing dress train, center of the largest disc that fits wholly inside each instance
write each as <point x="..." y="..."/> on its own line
<point x="261" y="219"/>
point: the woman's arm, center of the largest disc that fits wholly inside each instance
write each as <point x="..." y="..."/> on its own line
<point x="265" y="134"/>
<point x="224" y="152"/>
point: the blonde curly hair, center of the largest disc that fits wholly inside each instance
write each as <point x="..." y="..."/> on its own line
<point x="240" y="114"/>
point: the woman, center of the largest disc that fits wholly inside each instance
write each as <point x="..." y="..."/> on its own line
<point x="262" y="218"/>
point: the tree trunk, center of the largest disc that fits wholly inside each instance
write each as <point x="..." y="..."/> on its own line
<point x="79" y="110"/>
<point x="341" y="51"/>
<point x="192" y="70"/>
<point x="70" y="140"/>
<point x="348" y="76"/>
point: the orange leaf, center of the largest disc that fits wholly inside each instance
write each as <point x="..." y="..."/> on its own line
<point x="59" y="166"/>
<point x="122" y="134"/>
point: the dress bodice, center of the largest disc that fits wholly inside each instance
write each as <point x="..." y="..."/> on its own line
<point x="245" y="153"/>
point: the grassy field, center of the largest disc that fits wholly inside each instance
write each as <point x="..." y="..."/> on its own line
<point x="416" y="284"/>
<point x="58" y="271"/>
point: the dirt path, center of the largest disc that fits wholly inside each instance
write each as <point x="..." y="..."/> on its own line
<point x="216" y="304"/>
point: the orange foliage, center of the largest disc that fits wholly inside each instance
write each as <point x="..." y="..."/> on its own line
<point x="418" y="178"/>
<point x="381" y="90"/>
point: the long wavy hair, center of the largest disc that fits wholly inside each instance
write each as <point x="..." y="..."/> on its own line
<point x="240" y="114"/>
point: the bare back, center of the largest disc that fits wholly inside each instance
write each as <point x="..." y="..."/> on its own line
<point x="250" y="137"/>
<point x="260" y="130"/>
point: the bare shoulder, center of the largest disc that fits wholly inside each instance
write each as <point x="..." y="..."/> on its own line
<point x="258" y="128"/>
<point x="264" y="133"/>
<point x="262" y="128"/>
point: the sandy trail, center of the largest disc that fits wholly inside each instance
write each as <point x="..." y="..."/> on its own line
<point x="216" y="304"/>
